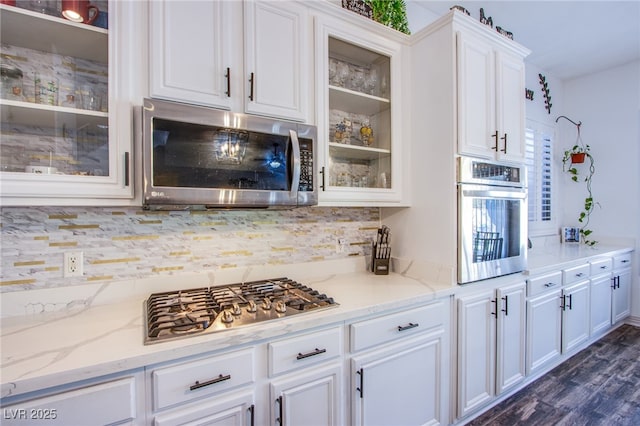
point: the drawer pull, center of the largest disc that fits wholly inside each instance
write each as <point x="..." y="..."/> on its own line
<point x="625" y="261"/>
<point x="579" y="274"/>
<point x="218" y="379"/>
<point x="407" y="327"/>
<point x="312" y="353"/>
<point x="603" y="267"/>
<point x="549" y="285"/>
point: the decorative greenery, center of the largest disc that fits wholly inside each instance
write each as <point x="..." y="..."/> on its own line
<point x="547" y="96"/>
<point x="569" y="166"/>
<point x="392" y="13"/>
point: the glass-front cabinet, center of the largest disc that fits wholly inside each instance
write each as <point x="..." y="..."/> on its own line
<point x="65" y="133"/>
<point x="359" y="130"/>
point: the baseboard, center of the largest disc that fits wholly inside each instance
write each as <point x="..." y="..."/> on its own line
<point x="633" y="321"/>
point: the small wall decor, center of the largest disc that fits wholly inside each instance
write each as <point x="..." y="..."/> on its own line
<point x="484" y="20"/>
<point x="359" y="7"/>
<point x="461" y="9"/>
<point x="507" y="34"/>
<point x="570" y="234"/>
<point x="528" y="93"/>
<point x="545" y="92"/>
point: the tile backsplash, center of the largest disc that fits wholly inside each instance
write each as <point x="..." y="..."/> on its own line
<point x="128" y="243"/>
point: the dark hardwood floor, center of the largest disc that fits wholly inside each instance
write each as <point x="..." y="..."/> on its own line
<point x="598" y="386"/>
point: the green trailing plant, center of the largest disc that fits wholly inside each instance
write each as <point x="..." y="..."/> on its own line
<point x="581" y="154"/>
<point x="392" y="13"/>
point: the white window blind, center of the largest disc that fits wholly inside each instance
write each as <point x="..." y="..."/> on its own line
<point x="539" y="162"/>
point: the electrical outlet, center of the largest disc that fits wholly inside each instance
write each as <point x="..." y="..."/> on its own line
<point x="73" y="264"/>
<point x="341" y="245"/>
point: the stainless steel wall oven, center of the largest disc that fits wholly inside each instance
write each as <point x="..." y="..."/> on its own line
<point x="492" y="219"/>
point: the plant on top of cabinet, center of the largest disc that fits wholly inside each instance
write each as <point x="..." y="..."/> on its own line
<point x="392" y="13"/>
<point x="577" y="155"/>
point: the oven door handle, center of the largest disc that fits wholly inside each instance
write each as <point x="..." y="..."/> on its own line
<point x="295" y="178"/>
<point x="494" y="193"/>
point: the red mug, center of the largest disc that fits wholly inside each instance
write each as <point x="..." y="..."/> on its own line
<point x="79" y="11"/>
<point x="8" y="2"/>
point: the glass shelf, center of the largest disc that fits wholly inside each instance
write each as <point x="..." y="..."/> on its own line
<point x="27" y="113"/>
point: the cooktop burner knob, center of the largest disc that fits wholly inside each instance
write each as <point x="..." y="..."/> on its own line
<point x="227" y="317"/>
<point x="252" y="306"/>
<point x="235" y="309"/>
<point x="266" y="304"/>
<point x="281" y="307"/>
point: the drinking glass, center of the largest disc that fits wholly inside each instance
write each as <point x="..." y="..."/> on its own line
<point x="356" y="80"/>
<point x="342" y="73"/>
<point x="371" y="81"/>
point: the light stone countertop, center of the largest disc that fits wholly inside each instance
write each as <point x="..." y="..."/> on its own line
<point x="87" y="337"/>
<point x="57" y="336"/>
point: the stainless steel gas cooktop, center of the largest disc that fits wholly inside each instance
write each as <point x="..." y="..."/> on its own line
<point x="182" y="313"/>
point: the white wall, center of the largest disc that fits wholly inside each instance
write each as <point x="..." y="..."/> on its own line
<point x="608" y="104"/>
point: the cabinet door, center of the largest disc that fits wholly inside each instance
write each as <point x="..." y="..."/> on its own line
<point x="476" y="97"/>
<point x="544" y="327"/>
<point x="400" y="385"/>
<point x="510" y="106"/>
<point x="621" y="306"/>
<point x="510" y="365"/>
<point x="575" y="316"/>
<point x="307" y="399"/>
<point x="189" y="50"/>
<point x="601" y="289"/>
<point x="65" y="137"/>
<point x="476" y="351"/>
<point x="276" y="59"/>
<point x="236" y="410"/>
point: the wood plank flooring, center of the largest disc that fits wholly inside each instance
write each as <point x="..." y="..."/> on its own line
<point x="600" y="386"/>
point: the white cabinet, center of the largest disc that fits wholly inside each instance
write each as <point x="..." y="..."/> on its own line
<point x="491" y="100"/>
<point x="231" y="409"/>
<point x="359" y="80"/>
<point x="306" y="378"/>
<point x="621" y="286"/>
<point x="575" y="315"/>
<point x="402" y="378"/>
<point x="66" y="134"/>
<point x="197" y="55"/>
<point x="601" y="287"/>
<point x="117" y="400"/>
<point x="491" y="345"/>
<point x="544" y="328"/>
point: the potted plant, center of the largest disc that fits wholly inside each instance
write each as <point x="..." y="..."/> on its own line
<point x="579" y="154"/>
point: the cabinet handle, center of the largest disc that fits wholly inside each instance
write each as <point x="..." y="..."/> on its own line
<point x="625" y="261"/>
<point x="505" y="143"/>
<point x="228" y="76"/>
<point x="570" y="306"/>
<point x="218" y="379"/>
<point x="563" y="304"/>
<point x="506" y="305"/>
<point x="549" y="284"/>
<point x="313" y="353"/>
<point x="407" y="327"/>
<point x="579" y="274"/>
<point x="322" y="173"/>
<point x="361" y="388"/>
<point x="495" y="135"/>
<point x="495" y="308"/>
<point x="603" y="267"/>
<point x="252" y="412"/>
<point x="251" y="87"/>
<point x="616" y="282"/>
<point x="126" y="169"/>
<point x="280" y="419"/>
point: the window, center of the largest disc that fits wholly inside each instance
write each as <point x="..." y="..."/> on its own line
<point x="539" y="162"/>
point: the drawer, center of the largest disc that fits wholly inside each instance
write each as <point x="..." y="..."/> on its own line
<point x="575" y="274"/>
<point x="601" y="266"/>
<point x="542" y="283"/>
<point x="104" y="403"/>
<point x="387" y="328"/>
<point x="622" y="261"/>
<point x="305" y="350"/>
<point x="202" y="377"/>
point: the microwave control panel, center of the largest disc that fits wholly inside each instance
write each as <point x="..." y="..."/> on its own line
<point x="306" y="165"/>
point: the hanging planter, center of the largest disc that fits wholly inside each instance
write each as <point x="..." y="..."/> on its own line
<point x="579" y="154"/>
<point x="578" y="157"/>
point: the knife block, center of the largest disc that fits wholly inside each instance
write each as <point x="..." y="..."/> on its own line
<point x="380" y="266"/>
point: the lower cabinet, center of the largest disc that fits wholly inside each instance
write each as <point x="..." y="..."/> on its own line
<point x="400" y="368"/>
<point x="491" y="345"/>
<point x="116" y="400"/>
<point x="575" y="315"/>
<point x="233" y="409"/>
<point x="544" y="329"/>
<point x="601" y="290"/>
<point x="621" y="285"/>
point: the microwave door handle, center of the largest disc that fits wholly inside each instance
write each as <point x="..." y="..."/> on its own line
<point x="295" y="179"/>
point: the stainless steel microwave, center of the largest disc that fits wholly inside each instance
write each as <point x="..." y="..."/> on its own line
<point x="198" y="157"/>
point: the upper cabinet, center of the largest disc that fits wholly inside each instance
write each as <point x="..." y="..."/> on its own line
<point x="66" y="120"/>
<point x="358" y="74"/>
<point x="197" y="55"/>
<point x="490" y="91"/>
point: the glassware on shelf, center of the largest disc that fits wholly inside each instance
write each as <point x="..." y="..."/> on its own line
<point x="342" y="74"/>
<point x="366" y="134"/>
<point x="11" y="78"/>
<point x="371" y="81"/>
<point x="356" y="78"/>
<point x="70" y="101"/>
<point x="333" y="70"/>
<point x="46" y="89"/>
<point x="90" y="99"/>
